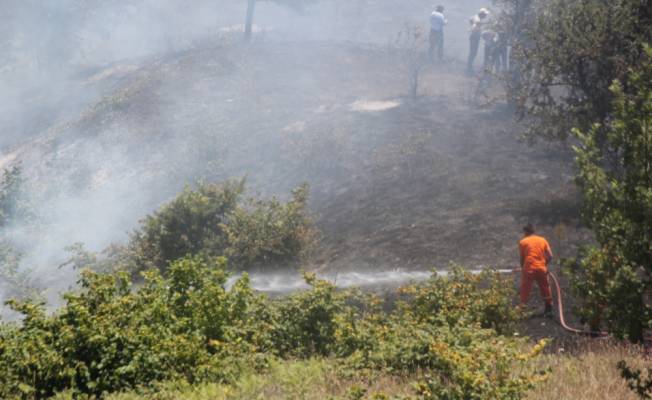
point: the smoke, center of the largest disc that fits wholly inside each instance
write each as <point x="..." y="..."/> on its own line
<point x="112" y="107"/>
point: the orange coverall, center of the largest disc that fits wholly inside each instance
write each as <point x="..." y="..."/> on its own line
<point x="535" y="253"/>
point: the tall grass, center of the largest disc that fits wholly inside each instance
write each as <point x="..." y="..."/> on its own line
<point x="314" y="379"/>
<point x="589" y="373"/>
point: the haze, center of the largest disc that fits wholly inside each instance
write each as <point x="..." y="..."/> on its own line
<point x="113" y="107"/>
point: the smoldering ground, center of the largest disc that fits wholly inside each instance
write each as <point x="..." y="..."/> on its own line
<point x="153" y="95"/>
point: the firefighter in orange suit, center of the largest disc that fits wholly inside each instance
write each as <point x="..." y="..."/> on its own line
<point x="535" y="255"/>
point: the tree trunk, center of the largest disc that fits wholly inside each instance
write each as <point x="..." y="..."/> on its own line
<point x="251" y="5"/>
<point x="414" y="80"/>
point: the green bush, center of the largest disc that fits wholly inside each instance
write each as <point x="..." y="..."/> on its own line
<point x="270" y="232"/>
<point x="472" y="365"/>
<point x="306" y="322"/>
<point x="110" y="337"/>
<point x="185" y="327"/>
<point x="192" y="223"/>
<point x="10" y="194"/>
<point x="213" y="220"/>
<point x="446" y="328"/>
<point x="14" y="209"/>
<point x="615" y="176"/>
<point x="464" y="298"/>
<point x="461" y="361"/>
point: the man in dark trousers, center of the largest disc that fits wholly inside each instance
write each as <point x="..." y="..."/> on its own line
<point x="535" y="256"/>
<point x="437" y="23"/>
<point x="478" y="23"/>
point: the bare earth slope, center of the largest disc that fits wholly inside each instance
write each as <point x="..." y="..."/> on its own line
<point x="401" y="183"/>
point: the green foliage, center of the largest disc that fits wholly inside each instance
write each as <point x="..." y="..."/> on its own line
<point x="13" y="209"/>
<point x="306" y="322"/>
<point x="186" y="327"/>
<point x="16" y="282"/>
<point x="109" y="336"/>
<point x="309" y="379"/>
<point x="566" y="54"/>
<point x="438" y="328"/>
<point x="10" y="187"/>
<point x="464" y="298"/>
<point x="212" y="220"/>
<point x="270" y="232"/>
<point x="480" y="370"/>
<point x="192" y="223"/>
<point x="640" y="384"/>
<point x="616" y="182"/>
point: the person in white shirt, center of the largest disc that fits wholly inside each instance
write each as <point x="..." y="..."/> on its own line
<point x="478" y="22"/>
<point x="437" y="23"/>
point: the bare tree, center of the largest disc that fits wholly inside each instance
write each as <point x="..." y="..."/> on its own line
<point x="249" y="21"/>
<point x="410" y="45"/>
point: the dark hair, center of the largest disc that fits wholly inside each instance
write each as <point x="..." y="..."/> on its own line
<point x="439" y="8"/>
<point x="528" y="229"/>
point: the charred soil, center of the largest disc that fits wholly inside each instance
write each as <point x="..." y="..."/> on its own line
<point x="420" y="183"/>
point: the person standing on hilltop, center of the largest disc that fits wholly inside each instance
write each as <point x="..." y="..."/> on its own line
<point x="490" y="51"/>
<point x="478" y="23"/>
<point x="437" y="23"/>
<point x="535" y="256"/>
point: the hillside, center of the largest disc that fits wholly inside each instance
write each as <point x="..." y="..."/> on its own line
<point x="319" y="210"/>
<point x="422" y="183"/>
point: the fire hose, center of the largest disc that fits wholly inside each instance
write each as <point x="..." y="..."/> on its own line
<point x="560" y="308"/>
<point x="647" y="340"/>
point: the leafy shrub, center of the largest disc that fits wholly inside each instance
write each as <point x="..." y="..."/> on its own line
<point x="485" y="369"/>
<point x="14" y="208"/>
<point x="192" y="223"/>
<point x="10" y="187"/>
<point x="306" y="322"/>
<point x="613" y="280"/>
<point x="212" y="220"/>
<point x="186" y="327"/>
<point x="444" y="327"/>
<point x="270" y="232"/>
<point x="109" y="337"/>
<point x="461" y="361"/>
<point x="14" y="281"/>
<point x="464" y="298"/>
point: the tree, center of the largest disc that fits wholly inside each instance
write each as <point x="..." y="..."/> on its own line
<point x="249" y="21"/>
<point x="410" y="43"/>
<point x="614" y="280"/>
<point x="13" y="209"/>
<point x="10" y="193"/>
<point x="566" y="54"/>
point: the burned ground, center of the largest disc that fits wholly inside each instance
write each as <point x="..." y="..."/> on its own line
<point x="408" y="183"/>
